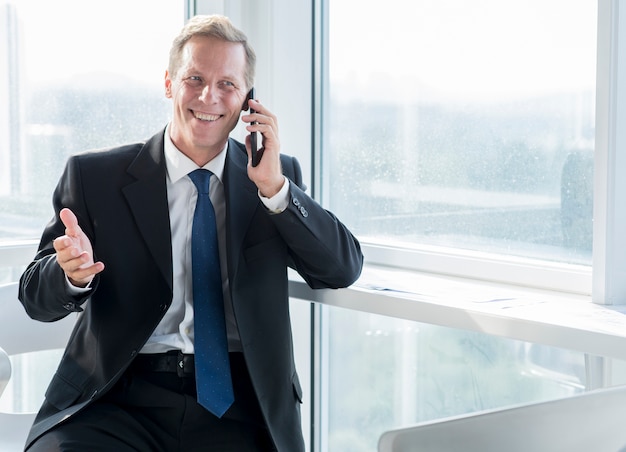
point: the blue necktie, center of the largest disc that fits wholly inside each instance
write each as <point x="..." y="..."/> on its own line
<point x="213" y="381"/>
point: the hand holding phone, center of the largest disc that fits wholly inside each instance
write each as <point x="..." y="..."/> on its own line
<point x="254" y="148"/>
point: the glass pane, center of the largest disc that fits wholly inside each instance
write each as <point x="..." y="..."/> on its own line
<point x="465" y="124"/>
<point x="387" y="373"/>
<point x="74" y="76"/>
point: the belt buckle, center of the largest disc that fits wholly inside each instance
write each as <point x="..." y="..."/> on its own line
<point x="180" y="364"/>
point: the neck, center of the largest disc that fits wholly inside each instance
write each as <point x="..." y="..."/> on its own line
<point x="200" y="155"/>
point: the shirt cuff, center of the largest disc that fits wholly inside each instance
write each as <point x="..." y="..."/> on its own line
<point x="278" y="202"/>
<point x="74" y="290"/>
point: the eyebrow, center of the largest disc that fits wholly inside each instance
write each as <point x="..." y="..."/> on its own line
<point x="192" y="70"/>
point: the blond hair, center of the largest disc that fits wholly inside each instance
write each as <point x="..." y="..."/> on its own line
<point x="215" y="26"/>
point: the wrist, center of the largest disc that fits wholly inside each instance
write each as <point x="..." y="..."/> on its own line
<point x="270" y="190"/>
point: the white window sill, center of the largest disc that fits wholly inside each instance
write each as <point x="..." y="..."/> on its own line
<point x="552" y="318"/>
<point x="560" y="320"/>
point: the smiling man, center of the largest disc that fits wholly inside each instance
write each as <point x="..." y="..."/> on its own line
<point x="208" y="87"/>
<point x="175" y="251"/>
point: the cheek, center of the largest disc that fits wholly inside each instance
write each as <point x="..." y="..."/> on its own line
<point x="180" y="99"/>
<point x="235" y="105"/>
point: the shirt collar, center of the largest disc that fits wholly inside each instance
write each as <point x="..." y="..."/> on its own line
<point x="178" y="165"/>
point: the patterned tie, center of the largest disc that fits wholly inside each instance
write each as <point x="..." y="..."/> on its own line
<point x="213" y="381"/>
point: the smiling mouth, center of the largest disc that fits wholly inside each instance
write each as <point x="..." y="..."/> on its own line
<point x="205" y="116"/>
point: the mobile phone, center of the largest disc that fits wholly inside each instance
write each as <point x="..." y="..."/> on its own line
<point x="254" y="148"/>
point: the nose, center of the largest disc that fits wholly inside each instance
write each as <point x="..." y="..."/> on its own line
<point x="208" y="94"/>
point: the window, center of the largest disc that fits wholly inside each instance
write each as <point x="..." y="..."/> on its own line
<point x="463" y="129"/>
<point x="386" y="373"/>
<point x="75" y="76"/>
<point x="466" y="125"/>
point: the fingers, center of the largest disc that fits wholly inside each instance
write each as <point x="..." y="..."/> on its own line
<point x="70" y="248"/>
<point x="77" y="264"/>
<point x="74" y="253"/>
<point x="268" y="175"/>
<point x="69" y="255"/>
<point x="266" y="121"/>
<point x="83" y="276"/>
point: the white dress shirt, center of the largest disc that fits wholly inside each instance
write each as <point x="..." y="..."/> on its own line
<point x="175" y="331"/>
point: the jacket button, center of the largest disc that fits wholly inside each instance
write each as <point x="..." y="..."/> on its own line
<point x="304" y="212"/>
<point x="296" y="202"/>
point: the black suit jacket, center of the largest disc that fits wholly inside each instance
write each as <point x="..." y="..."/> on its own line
<point x="119" y="196"/>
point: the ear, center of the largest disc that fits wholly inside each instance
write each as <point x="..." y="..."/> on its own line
<point x="245" y="105"/>
<point x="168" y="85"/>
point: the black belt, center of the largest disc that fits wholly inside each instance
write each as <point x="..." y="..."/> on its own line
<point x="174" y="361"/>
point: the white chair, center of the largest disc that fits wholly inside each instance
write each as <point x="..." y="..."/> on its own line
<point x="592" y="421"/>
<point x="19" y="334"/>
<point x="5" y="370"/>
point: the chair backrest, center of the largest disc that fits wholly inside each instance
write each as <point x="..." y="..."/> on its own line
<point x="5" y="370"/>
<point x="14" y="429"/>
<point x="593" y="421"/>
<point x="20" y="334"/>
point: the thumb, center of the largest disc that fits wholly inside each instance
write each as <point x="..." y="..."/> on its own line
<point x="70" y="222"/>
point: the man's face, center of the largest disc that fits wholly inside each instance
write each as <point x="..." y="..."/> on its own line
<point x="208" y="92"/>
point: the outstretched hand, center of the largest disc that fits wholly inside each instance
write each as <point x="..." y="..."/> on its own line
<point x="74" y="252"/>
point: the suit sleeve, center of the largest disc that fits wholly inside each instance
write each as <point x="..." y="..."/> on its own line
<point x="323" y="250"/>
<point x="42" y="288"/>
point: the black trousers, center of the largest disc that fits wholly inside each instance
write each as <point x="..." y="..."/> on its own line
<point x="157" y="411"/>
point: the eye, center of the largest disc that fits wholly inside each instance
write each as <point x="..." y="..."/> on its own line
<point x="227" y="85"/>
<point x="194" y="81"/>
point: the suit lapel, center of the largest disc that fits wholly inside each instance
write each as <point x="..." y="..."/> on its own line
<point x="241" y="201"/>
<point x="147" y="197"/>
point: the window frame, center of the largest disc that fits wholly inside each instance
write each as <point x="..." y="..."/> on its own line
<point x="605" y="283"/>
<point x="609" y="260"/>
<point x="603" y="280"/>
<point x="302" y="134"/>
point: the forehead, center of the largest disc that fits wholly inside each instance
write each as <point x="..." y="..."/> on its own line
<point x="214" y="55"/>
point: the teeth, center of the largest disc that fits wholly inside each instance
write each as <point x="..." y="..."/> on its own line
<point x="205" y="117"/>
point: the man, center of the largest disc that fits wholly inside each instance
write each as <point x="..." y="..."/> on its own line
<point x="122" y="250"/>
